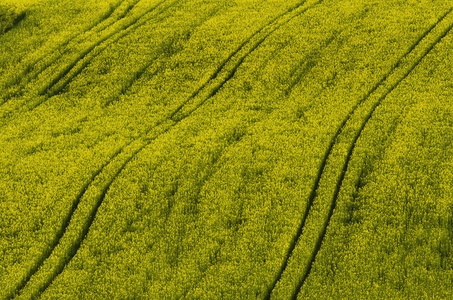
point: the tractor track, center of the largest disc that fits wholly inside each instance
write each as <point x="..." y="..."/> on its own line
<point x="215" y="168"/>
<point x="90" y="220"/>
<point x="29" y="68"/>
<point x="144" y="141"/>
<point x="121" y="32"/>
<point x="139" y="73"/>
<point x="117" y="19"/>
<point x="332" y="144"/>
<point x="351" y="149"/>
<point x="247" y="41"/>
<point x="240" y="61"/>
<point x="65" y="76"/>
<point x="66" y="220"/>
<point x="45" y="91"/>
<point x="58" y="236"/>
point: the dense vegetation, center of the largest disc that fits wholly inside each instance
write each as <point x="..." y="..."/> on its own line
<point x="9" y="17"/>
<point x="205" y="149"/>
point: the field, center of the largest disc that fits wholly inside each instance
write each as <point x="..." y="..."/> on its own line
<point x="217" y="149"/>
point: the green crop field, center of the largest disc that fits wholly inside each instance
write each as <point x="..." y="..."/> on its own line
<point x="226" y="149"/>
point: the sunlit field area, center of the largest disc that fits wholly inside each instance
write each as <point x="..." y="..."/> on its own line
<point x="221" y="149"/>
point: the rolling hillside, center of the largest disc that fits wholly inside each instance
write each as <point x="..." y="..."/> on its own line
<point x="213" y="149"/>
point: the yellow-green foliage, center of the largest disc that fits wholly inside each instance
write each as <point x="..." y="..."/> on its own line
<point x="7" y="18"/>
<point x="161" y="149"/>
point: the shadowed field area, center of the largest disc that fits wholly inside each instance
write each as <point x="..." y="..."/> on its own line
<point x="9" y="17"/>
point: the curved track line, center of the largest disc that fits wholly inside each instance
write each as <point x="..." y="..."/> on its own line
<point x="232" y="72"/>
<point x="350" y="152"/>
<point x="116" y="20"/>
<point x="121" y="32"/>
<point x="236" y="51"/>
<point x="86" y="62"/>
<point x="139" y="73"/>
<point x="76" y="245"/>
<point x="65" y="71"/>
<point x="28" y="69"/>
<point x="328" y="152"/>
<point x="46" y="94"/>
<point x="20" y="285"/>
<point x="81" y="236"/>
<point x="65" y="222"/>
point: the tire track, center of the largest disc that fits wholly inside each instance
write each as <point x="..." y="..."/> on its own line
<point x="84" y="58"/>
<point x="169" y="119"/>
<point x="235" y="52"/>
<point x="121" y="32"/>
<point x="308" y="62"/>
<point x="232" y="72"/>
<point x="73" y="208"/>
<point x="350" y="152"/>
<point x="81" y="236"/>
<point x="333" y="142"/>
<point x="75" y="245"/>
<point x="114" y="21"/>
<point x="143" y="141"/>
<point x="21" y="284"/>
<point x="28" y="69"/>
<point x="139" y="73"/>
